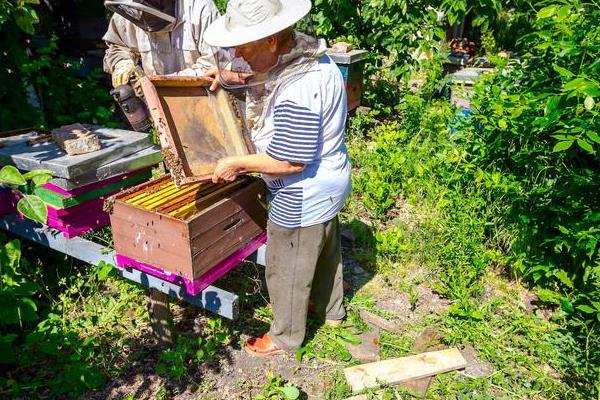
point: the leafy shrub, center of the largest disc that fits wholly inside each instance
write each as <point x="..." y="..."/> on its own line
<point x="532" y="137"/>
<point x="15" y="294"/>
<point x="61" y="332"/>
<point x="41" y="86"/>
<point x="29" y="205"/>
<point x="535" y="125"/>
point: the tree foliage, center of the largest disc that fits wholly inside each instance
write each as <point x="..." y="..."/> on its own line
<point x="42" y="87"/>
<point x="533" y="138"/>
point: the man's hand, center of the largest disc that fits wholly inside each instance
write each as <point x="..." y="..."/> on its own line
<point x="226" y="170"/>
<point x="227" y="77"/>
<point x="125" y="72"/>
<point x="213" y="75"/>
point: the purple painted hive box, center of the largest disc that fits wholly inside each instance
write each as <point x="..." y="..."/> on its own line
<point x="80" y="210"/>
<point x="8" y="201"/>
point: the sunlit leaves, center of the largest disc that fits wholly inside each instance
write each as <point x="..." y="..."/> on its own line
<point x="589" y="103"/>
<point x="33" y="208"/>
<point x="562" y="146"/>
<point x="11" y="176"/>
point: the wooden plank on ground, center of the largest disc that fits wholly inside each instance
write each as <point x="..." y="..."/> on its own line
<point x="397" y="370"/>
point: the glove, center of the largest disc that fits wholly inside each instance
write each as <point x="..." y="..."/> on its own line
<point x="125" y="72"/>
<point x="194" y="70"/>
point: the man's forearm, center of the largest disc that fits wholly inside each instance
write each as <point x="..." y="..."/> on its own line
<point x="227" y="169"/>
<point x="265" y="164"/>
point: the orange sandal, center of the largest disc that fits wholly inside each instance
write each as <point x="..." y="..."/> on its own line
<point x="262" y="347"/>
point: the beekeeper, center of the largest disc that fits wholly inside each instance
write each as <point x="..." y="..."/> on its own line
<point x="296" y="111"/>
<point x="157" y="37"/>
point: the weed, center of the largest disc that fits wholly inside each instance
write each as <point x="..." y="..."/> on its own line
<point x="277" y="389"/>
<point x="162" y="393"/>
<point x="188" y="351"/>
<point x="413" y="298"/>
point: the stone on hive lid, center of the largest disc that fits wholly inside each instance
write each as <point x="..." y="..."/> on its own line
<point x="76" y="139"/>
<point x="341" y="47"/>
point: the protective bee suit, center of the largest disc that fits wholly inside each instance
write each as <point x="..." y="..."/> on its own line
<point x="165" y="36"/>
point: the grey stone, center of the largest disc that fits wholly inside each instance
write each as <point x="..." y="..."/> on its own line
<point x="348" y="58"/>
<point x="476" y="367"/>
<point x="76" y="139"/>
<point x="341" y="47"/>
<point x="368" y="349"/>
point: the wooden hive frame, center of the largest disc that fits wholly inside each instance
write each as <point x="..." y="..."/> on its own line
<point x="196" y="127"/>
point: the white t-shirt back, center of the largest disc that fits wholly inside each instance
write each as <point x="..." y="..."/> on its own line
<point x="306" y="124"/>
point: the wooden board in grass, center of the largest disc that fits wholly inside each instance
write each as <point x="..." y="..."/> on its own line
<point x="196" y="127"/>
<point x="402" y="369"/>
<point x="60" y="200"/>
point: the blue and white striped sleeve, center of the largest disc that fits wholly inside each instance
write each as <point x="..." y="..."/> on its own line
<point x="297" y="133"/>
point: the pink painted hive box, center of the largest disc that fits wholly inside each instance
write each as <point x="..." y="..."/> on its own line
<point x="80" y="210"/>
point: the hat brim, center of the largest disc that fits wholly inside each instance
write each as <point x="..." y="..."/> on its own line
<point x="218" y="34"/>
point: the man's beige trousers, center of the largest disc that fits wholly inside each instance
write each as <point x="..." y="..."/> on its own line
<point x="303" y="264"/>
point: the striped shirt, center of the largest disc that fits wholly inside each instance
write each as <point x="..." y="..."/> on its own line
<point x="306" y="125"/>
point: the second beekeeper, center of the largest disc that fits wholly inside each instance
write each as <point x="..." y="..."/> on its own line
<point x="157" y="37"/>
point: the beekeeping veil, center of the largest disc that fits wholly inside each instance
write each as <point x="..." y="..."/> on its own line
<point x="149" y="15"/>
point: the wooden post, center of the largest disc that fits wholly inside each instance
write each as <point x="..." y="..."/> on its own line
<point x="161" y="317"/>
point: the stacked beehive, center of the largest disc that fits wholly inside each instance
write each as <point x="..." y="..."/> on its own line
<point x="79" y="210"/>
<point x="75" y="197"/>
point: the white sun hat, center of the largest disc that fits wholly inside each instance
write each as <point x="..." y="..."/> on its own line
<point x="248" y="20"/>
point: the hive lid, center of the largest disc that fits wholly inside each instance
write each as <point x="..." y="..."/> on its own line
<point x="46" y="154"/>
<point x="196" y="127"/>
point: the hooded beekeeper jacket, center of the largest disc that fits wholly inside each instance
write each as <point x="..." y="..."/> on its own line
<point x="181" y="50"/>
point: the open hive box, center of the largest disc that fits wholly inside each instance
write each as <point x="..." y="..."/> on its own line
<point x="190" y="229"/>
<point x="182" y="223"/>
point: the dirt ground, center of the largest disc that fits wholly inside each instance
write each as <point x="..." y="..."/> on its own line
<point x="236" y="375"/>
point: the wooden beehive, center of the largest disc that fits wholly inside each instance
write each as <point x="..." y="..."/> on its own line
<point x="181" y="223"/>
<point x="189" y="229"/>
<point x="196" y="127"/>
<point x="351" y="66"/>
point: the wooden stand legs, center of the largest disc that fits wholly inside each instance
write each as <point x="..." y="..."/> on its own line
<point x="161" y="317"/>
